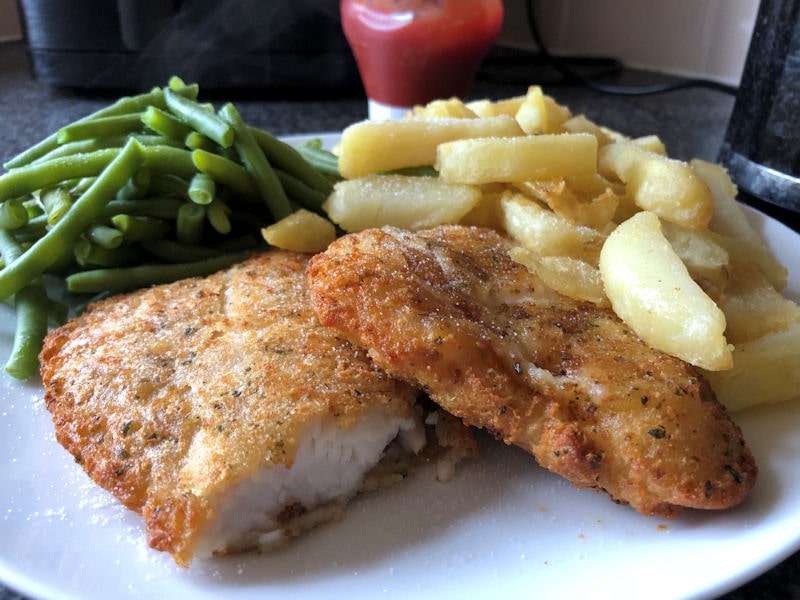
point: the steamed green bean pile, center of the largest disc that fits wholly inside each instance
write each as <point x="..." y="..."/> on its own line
<point x="151" y="189"/>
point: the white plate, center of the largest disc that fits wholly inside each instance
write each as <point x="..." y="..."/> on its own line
<point x="502" y="527"/>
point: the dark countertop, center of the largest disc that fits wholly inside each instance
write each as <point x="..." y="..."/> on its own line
<point x="691" y="123"/>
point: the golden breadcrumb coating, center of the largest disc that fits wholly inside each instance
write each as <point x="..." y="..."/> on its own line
<point x="170" y="396"/>
<point x="448" y="310"/>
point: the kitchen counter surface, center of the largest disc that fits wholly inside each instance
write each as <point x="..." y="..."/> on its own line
<point x="691" y="122"/>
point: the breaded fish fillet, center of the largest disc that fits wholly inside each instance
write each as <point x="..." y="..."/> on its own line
<point x="449" y="310"/>
<point x="222" y="411"/>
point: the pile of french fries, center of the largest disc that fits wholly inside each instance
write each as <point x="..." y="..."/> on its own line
<point x="599" y="217"/>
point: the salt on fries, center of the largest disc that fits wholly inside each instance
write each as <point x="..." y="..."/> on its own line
<point x="644" y="278"/>
<point x="374" y="146"/>
<point x="600" y="218"/>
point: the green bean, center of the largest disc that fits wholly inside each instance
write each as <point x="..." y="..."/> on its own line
<point x="89" y="254"/>
<point x="197" y="141"/>
<point x="114" y="141"/>
<point x="137" y="186"/>
<point x="155" y="140"/>
<point x="10" y="248"/>
<point x="202" y="189"/>
<point x="33" y="207"/>
<point x="104" y="236"/>
<point x="177" y="252"/>
<point x="322" y="160"/>
<point x="100" y="128"/>
<point x="27" y="236"/>
<point x="168" y="159"/>
<point x="217" y="213"/>
<point x="187" y="90"/>
<point x="83" y="147"/>
<point x="83" y="184"/>
<point x="13" y="214"/>
<point x="33" y="229"/>
<point x="103" y="163"/>
<point x="240" y="243"/>
<point x="285" y="157"/>
<point x="225" y="172"/>
<point x="65" y="263"/>
<point x="165" y="124"/>
<point x="31" y="306"/>
<point x="170" y="185"/>
<point x="301" y="193"/>
<point x="189" y="226"/>
<point x="257" y="164"/>
<point x="56" y="202"/>
<point x="246" y="220"/>
<point x="119" y="280"/>
<point x="205" y="122"/>
<point x="25" y="180"/>
<point x="139" y="228"/>
<point x="57" y="313"/>
<point x="158" y="208"/>
<point x="87" y="208"/>
<point x="126" y="105"/>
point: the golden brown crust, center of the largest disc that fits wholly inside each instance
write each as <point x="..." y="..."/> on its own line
<point x="169" y="396"/>
<point x="449" y="310"/>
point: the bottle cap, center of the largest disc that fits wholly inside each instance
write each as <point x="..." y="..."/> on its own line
<point x="378" y="111"/>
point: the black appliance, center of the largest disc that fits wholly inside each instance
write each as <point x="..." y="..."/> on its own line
<point x="292" y="45"/>
<point x="762" y="143"/>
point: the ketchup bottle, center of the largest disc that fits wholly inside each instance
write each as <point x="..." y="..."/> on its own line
<point x="413" y="51"/>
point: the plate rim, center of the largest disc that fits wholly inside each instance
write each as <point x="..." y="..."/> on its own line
<point x="29" y="585"/>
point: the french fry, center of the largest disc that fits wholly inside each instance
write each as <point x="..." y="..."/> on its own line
<point x="532" y="113"/>
<point x="538" y="113"/>
<point x="651" y="290"/>
<point x="374" y="146"/>
<point x="580" y="124"/>
<point x="545" y="233"/>
<point x="483" y="108"/>
<point x="588" y="201"/>
<point x="399" y="200"/>
<point x="451" y="108"/>
<point x="507" y="106"/>
<point x="765" y="371"/>
<point x="557" y="114"/>
<point x="669" y="188"/>
<point x="626" y="208"/>
<point x="568" y="276"/>
<point x="704" y="257"/>
<point x="599" y="217"/>
<point x="487" y="213"/>
<point x="302" y="231"/>
<point x="752" y="305"/>
<point x="729" y="221"/>
<point x="511" y="159"/>
<point x="651" y="143"/>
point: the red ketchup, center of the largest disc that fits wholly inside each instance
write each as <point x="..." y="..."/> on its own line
<point x="413" y="51"/>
